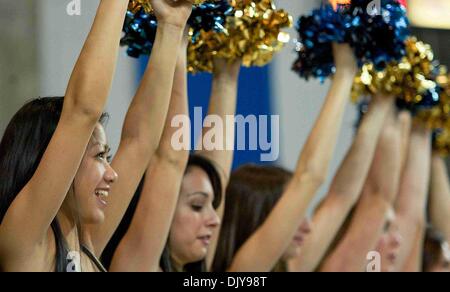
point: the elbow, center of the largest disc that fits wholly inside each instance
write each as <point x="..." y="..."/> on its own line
<point x="79" y="106"/>
<point x="176" y="159"/>
<point x="314" y="174"/>
<point x="313" y="179"/>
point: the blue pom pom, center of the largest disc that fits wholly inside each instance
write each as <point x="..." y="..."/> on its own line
<point x="210" y="16"/>
<point x="140" y="32"/>
<point x="377" y="36"/>
<point x="140" y="27"/>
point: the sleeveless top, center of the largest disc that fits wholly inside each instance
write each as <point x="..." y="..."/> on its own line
<point x="93" y="258"/>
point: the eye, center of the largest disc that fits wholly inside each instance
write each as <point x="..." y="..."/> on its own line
<point x="197" y="206"/>
<point x="102" y="156"/>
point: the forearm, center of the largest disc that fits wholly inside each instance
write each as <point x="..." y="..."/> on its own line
<point x="223" y="105"/>
<point x="412" y="200"/>
<point x="318" y="150"/>
<point x="440" y="196"/>
<point x="352" y="173"/>
<point x="147" y="114"/>
<point x="178" y="109"/>
<point x="413" y="193"/>
<point x="93" y="73"/>
<point x="346" y="187"/>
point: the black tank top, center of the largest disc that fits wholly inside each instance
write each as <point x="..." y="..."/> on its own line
<point x="93" y="258"/>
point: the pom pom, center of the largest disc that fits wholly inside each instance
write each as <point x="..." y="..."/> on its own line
<point x="408" y="79"/>
<point x="139" y="33"/>
<point x="438" y="115"/>
<point x="140" y="26"/>
<point x="317" y="32"/>
<point x="441" y="142"/>
<point x="253" y="34"/>
<point x="377" y="37"/>
<point x="210" y="16"/>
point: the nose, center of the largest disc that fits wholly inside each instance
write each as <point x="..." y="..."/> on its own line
<point x="306" y="228"/>
<point x="213" y="220"/>
<point x="111" y="175"/>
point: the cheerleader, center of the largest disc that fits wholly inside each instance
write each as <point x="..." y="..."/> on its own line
<point x="174" y="226"/>
<point x="59" y="193"/>
<point x="266" y="245"/>
<point x="346" y="187"/>
<point x="368" y="226"/>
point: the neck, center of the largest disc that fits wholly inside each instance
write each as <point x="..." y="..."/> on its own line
<point x="177" y="265"/>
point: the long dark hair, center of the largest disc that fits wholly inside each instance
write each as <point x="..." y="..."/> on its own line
<point x="252" y="193"/>
<point x="21" y="149"/>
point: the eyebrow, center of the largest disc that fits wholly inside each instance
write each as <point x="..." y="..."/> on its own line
<point x="198" y="193"/>
<point x="106" y="146"/>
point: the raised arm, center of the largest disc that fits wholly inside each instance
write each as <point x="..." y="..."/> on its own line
<point x="412" y="200"/>
<point x="312" y="168"/>
<point x="143" y="244"/>
<point x="345" y="188"/>
<point x="370" y="215"/>
<point x="146" y="116"/>
<point x="28" y="219"/>
<point x="439" y="205"/>
<point x="222" y="104"/>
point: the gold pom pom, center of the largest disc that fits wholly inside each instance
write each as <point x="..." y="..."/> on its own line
<point x="408" y="79"/>
<point x="252" y="34"/>
<point x="441" y="143"/>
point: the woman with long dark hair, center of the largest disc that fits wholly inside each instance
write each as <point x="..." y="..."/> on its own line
<point x="267" y="245"/>
<point x="186" y="210"/>
<point x="60" y="200"/>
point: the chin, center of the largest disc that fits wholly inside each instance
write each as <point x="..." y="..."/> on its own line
<point x="198" y="256"/>
<point x="96" y="218"/>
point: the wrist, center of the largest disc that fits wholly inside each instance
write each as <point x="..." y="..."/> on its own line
<point x="168" y="26"/>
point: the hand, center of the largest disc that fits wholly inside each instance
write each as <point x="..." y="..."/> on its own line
<point x="225" y="68"/>
<point x="383" y="101"/>
<point x="172" y="12"/>
<point x="344" y="59"/>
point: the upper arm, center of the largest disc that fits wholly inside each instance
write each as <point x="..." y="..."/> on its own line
<point x="144" y="242"/>
<point x="29" y="217"/>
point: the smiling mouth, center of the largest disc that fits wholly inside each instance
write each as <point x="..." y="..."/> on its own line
<point x="102" y="196"/>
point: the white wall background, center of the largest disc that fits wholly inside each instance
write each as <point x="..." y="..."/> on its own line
<point x="298" y="102"/>
<point x="61" y="38"/>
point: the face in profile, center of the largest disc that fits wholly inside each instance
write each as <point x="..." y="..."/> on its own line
<point x="389" y="244"/>
<point x="94" y="179"/>
<point x="294" y="248"/>
<point x="195" y="219"/>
